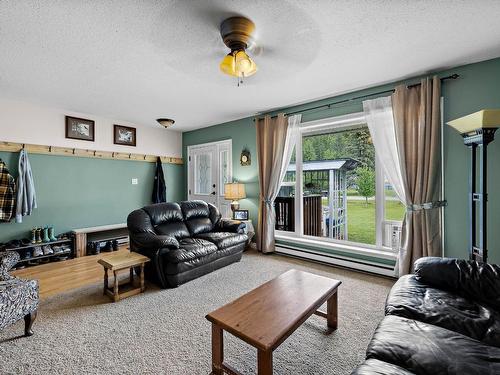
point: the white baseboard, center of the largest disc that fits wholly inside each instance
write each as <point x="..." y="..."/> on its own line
<point x="361" y="265"/>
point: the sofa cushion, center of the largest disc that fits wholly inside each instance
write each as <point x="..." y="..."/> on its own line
<point x="412" y="299"/>
<point x="427" y="349"/>
<point x="223" y="239"/>
<point x="376" y="367"/>
<point x="189" y="249"/>
<point x="176" y="229"/>
<point x="164" y="212"/>
<point x="175" y="268"/>
<point x="197" y="216"/>
<point x="167" y="219"/>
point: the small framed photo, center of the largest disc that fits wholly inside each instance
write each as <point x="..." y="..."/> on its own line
<point x="125" y="135"/>
<point x="80" y="128"/>
<point x="240" y="215"/>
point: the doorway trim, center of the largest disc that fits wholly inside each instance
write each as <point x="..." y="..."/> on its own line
<point x="228" y="143"/>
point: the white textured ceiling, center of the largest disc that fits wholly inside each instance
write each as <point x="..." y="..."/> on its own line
<point x="144" y="59"/>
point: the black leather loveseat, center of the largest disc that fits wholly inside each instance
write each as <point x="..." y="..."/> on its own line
<point x="184" y="240"/>
<point x="444" y="319"/>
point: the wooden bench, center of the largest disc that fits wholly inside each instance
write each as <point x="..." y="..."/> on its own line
<point x="99" y="233"/>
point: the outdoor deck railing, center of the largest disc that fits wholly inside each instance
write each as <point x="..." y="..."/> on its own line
<point x="285" y="214"/>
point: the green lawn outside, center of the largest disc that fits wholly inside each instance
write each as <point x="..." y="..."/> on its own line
<point x="361" y="219"/>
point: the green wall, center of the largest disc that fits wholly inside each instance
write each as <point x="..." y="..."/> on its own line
<point x="74" y="192"/>
<point x="478" y="87"/>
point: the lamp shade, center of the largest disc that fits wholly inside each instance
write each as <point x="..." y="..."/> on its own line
<point x="234" y="191"/>
<point x="485" y="118"/>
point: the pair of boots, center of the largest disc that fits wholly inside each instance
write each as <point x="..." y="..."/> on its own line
<point x="94" y="247"/>
<point x="111" y="246"/>
<point x="47" y="232"/>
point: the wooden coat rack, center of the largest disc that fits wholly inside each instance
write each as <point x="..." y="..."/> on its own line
<point x="84" y="153"/>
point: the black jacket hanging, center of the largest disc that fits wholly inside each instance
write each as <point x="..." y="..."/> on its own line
<point x="159" y="188"/>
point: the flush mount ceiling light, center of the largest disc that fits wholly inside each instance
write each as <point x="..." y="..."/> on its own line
<point x="236" y="32"/>
<point x="165" y="122"/>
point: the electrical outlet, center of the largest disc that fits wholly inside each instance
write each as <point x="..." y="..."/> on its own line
<point x="135" y="181"/>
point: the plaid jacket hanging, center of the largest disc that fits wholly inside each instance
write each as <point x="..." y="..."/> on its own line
<point x="7" y="193"/>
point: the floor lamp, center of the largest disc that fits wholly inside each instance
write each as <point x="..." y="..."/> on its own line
<point x="478" y="130"/>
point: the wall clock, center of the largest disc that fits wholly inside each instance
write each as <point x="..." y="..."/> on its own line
<point x="245" y="158"/>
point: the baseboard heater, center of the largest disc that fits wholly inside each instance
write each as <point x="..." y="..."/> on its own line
<point x="356" y="264"/>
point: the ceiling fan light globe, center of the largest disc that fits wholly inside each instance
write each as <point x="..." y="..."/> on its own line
<point x="227" y="65"/>
<point x="252" y="70"/>
<point x="242" y="62"/>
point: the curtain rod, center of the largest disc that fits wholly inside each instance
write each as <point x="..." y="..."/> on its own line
<point x="453" y="76"/>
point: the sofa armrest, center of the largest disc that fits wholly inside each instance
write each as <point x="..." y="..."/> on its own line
<point x="477" y="281"/>
<point x="8" y="260"/>
<point x="439" y="272"/>
<point x="228" y="225"/>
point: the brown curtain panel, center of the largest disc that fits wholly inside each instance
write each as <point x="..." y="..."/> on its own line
<point x="271" y="137"/>
<point x="418" y="136"/>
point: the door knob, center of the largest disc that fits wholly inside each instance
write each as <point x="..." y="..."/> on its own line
<point x="213" y="192"/>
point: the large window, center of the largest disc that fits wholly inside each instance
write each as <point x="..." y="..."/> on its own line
<point x="334" y="189"/>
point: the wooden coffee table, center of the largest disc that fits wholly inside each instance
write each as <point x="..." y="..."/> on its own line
<point x="119" y="261"/>
<point x="267" y="315"/>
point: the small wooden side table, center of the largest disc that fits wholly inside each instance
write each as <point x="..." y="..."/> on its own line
<point x="119" y="261"/>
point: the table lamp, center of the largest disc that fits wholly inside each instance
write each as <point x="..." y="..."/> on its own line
<point x="234" y="191"/>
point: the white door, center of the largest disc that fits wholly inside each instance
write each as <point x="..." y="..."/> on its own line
<point x="209" y="169"/>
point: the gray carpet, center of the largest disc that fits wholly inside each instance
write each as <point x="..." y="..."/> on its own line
<point x="165" y="331"/>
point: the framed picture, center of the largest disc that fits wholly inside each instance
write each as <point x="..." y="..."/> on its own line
<point x="124" y="135"/>
<point x="80" y="128"/>
<point x="240" y="214"/>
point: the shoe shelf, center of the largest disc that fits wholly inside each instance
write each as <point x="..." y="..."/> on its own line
<point x="22" y="250"/>
<point x="38" y="244"/>
<point x="63" y="253"/>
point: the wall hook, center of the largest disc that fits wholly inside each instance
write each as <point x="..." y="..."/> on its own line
<point x="94" y="153"/>
<point x="50" y="148"/>
<point x="130" y="156"/>
<point x="145" y="157"/>
<point x="73" y="151"/>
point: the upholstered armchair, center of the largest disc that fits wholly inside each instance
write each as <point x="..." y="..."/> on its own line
<point x="18" y="298"/>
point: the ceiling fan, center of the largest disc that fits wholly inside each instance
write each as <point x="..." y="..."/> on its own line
<point x="236" y="33"/>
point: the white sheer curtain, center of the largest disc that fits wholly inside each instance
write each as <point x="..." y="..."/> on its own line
<point x="292" y="136"/>
<point x="380" y="120"/>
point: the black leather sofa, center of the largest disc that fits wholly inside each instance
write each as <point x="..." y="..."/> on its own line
<point x="444" y="319"/>
<point x="184" y="240"/>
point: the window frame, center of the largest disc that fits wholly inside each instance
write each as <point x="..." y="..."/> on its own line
<point x="333" y="124"/>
